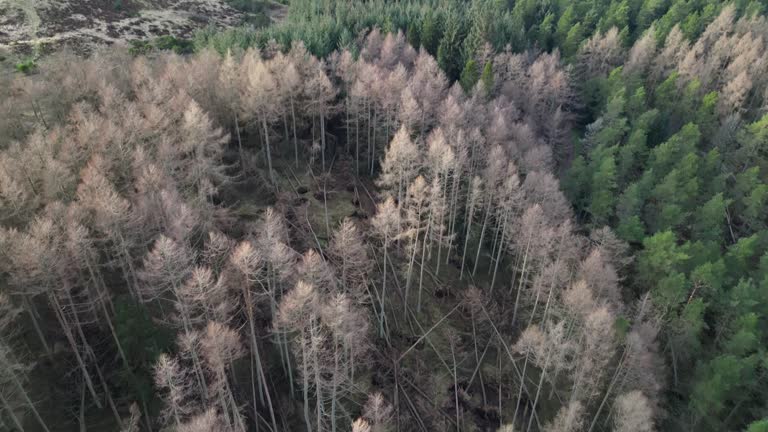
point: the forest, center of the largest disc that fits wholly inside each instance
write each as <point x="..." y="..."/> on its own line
<point x="376" y="216"/>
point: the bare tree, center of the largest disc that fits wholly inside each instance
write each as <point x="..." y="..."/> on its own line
<point x="171" y="377"/>
<point x="350" y="256"/>
<point x="208" y="421"/>
<point x="600" y="276"/>
<point x="360" y="425"/>
<point x="400" y="165"/>
<point x="378" y="412"/>
<point x="259" y="100"/>
<point x="248" y="263"/>
<point x="600" y="53"/>
<point x="633" y="413"/>
<point x="386" y="223"/>
<point x="221" y="346"/>
<point x="13" y="372"/>
<point x="642" y="53"/>
<point x="296" y="316"/>
<point x="134" y="421"/>
<point x="568" y="419"/>
<point x="320" y="97"/>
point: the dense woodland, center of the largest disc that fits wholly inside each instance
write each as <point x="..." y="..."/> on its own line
<point x="394" y="216"/>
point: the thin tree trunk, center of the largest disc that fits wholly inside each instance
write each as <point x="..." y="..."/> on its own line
<point x="423" y="255"/>
<point x="383" y="287"/>
<point x="239" y="144"/>
<point x="235" y="412"/>
<point x="90" y="352"/>
<point x="441" y="225"/>
<point x="67" y="332"/>
<point x="9" y="409"/>
<point x="318" y="389"/>
<point x="522" y="279"/>
<point x="322" y="137"/>
<point x="334" y="384"/>
<point x="295" y="140"/>
<point x="285" y="127"/>
<point x="373" y="143"/>
<point x="453" y="213"/>
<point x="305" y="378"/>
<point x="608" y="391"/>
<point x="482" y="235"/>
<point x="187" y="327"/>
<point x="538" y="389"/>
<point x="81" y="420"/>
<point x="105" y="311"/>
<point x="266" y="148"/>
<point x="500" y="250"/>
<point x="470" y="216"/>
<point x="520" y="390"/>
<point x="455" y="388"/>
<point x="33" y="317"/>
<point x="357" y="143"/>
<point x="257" y="358"/>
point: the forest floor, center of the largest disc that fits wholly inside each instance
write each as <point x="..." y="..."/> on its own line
<point x="27" y="25"/>
<point x="419" y="342"/>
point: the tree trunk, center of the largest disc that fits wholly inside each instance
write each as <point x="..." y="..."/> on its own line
<point x="482" y="234"/>
<point x="257" y="359"/>
<point x="428" y="229"/>
<point x="318" y="387"/>
<point x="8" y="407"/>
<point x="322" y="136"/>
<point x="538" y="390"/>
<point x="453" y="213"/>
<point x="470" y="216"/>
<point x="373" y="143"/>
<point x="70" y="338"/>
<point x="266" y="148"/>
<point x="500" y="250"/>
<point x="90" y="352"/>
<point x="522" y="279"/>
<point x="357" y="143"/>
<point x="295" y="140"/>
<point x="383" y="287"/>
<point x="520" y="390"/>
<point x="239" y="144"/>
<point x="305" y="378"/>
<point x="334" y="383"/>
<point x="33" y="317"/>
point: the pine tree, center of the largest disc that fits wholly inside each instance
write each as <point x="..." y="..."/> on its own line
<point x="487" y="78"/>
<point x="470" y="75"/>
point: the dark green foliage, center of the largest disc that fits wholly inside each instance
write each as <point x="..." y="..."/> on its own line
<point x="469" y="76"/>
<point x="464" y="27"/>
<point x="449" y="50"/>
<point x="143" y="341"/>
<point x="27" y="66"/>
<point x="163" y="43"/>
<point x="487" y="78"/>
<point x="758" y="426"/>
<point x="655" y="168"/>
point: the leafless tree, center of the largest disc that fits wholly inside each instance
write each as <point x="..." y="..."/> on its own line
<point x="386" y="223"/>
<point x="221" y="346"/>
<point x="349" y="254"/>
<point x="173" y="379"/>
<point x="633" y="413"/>
<point x="400" y="165"/>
